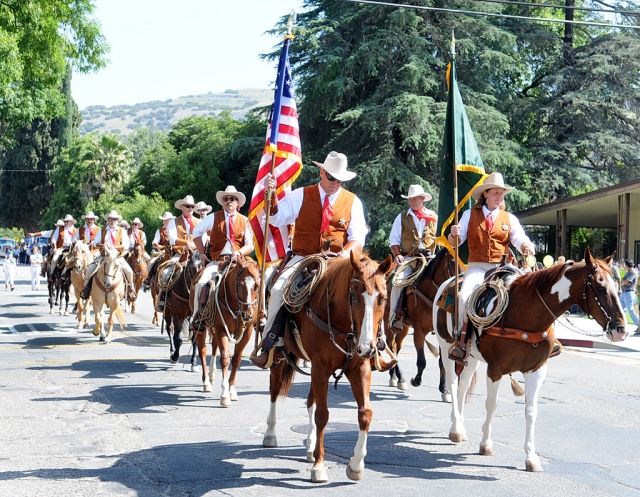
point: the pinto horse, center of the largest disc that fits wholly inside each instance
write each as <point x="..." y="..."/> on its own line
<point x="108" y="288"/>
<point x="79" y="258"/>
<point x="234" y="319"/>
<point x="139" y="267"/>
<point x="524" y="341"/>
<point x="418" y="316"/>
<point x="344" y="313"/>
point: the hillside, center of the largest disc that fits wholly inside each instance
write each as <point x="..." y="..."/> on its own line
<point x="162" y="115"/>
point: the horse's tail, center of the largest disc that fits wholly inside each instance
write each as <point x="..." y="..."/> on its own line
<point x="472" y="387"/>
<point x="517" y="390"/>
<point x="432" y="348"/>
<point x="287" y="379"/>
<point x="120" y="317"/>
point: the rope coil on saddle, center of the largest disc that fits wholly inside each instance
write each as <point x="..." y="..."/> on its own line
<point x="502" y="301"/>
<point x="418" y="264"/>
<point x="303" y="281"/>
<point x="176" y="271"/>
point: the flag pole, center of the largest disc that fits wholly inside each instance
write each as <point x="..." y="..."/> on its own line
<point x="268" y="199"/>
<point x="455" y="201"/>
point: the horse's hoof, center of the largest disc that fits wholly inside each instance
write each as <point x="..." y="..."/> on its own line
<point x="96" y="333"/>
<point x="50" y="311"/>
<point x="393" y="382"/>
<point x="416" y="382"/>
<point x="446" y="397"/>
<point x="195" y="369"/>
<point x="206" y="387"/>
<point x="403" y="386"/>
<point x="173" y="361"/>
<point x="533" y="466"/>
<point x="319" y="475"/>
<point x="225" y="401"/>
<point x="101" y="339"/>
<point x="233" y="396"/>
<point x="486" y="450"/>
<point x="310" y="457"/>
<point x="456" y="437"/>
<point x="86" y="325"/>
<point x="269" y="441"/>
<point x="353" y="475"/>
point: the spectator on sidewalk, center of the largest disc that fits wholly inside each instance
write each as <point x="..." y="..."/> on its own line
<point x="36" y="267"/>
<point x="615" y="271"/>
<point x="629" y="283"/>
<point x="10" y="271"/>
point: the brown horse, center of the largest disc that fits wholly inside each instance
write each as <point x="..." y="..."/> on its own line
<point x="418" y="316"/>
<point x="233" y="321"/>
<point x="336" y="330"/>
<point x="524" y="341"/>
<point x="79" y="258"/>
<point x="139" y="267"/>
<point x="108" y="288"/>
<point x="154" y="281"/>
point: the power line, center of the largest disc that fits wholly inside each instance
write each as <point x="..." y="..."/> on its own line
<point x="490" y="14"/>
<point x="567" y="7"/>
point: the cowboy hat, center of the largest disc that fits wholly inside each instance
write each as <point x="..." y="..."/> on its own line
<point x="166" y="216"/>
<point x="494" y="180"/>
<point x="125" y="224"/>
<point x="90" y="215"/>
<point x="231" y="190"/>
<point x="59" y="222"/>
<point x="203" y="206"/>
<point x="336" y="165"/>
<point x="417" y="191"/>
<point x="188" y="200"/>
<point x="69" y="217"/>
<point x="112" y="215"/>
<point x="137" y="221"/>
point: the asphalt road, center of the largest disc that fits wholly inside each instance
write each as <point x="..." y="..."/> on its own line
<point x="80" y="418"/>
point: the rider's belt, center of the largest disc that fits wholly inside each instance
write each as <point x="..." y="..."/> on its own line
<point x="224" y="258"/>
<point x="628" y="290"/>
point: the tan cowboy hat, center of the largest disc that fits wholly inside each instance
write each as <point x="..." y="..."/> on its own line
<point x="137" y="221"/>
<point x="59" y="222"/>
<point x="336" y="165"/>
<point x="203" y="206"/>
<point x="494" y="180"/>
<point x="90" y="215"/>
<point x="187" y="200"/>
<point x="112" y="215"/>
<point x="125" y="224"/>
<point x="69" y="217"/>
<point x="231" y="190"/>
<point x="417" y="191"/>
<point x="167" y="215"/>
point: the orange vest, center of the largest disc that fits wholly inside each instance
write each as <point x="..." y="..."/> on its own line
<point x="181" y="228"/>
<point x="485" y="246"/>
<point x="307" y="239"/>
<point x="218" y="234"/>
<point x="60" y="240"/>
<point x="410" y="239"/>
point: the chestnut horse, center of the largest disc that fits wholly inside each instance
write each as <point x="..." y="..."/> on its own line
<point x="524" y="339"/>
<point x="108" y="288"/>
<point x="139" y="267"/>
<point x="418" y="316"/>
<point x="154" y="283"/>
<point x="344" y="313"/>
<point x="79" y="259"/>
<point x="234" y="319"/>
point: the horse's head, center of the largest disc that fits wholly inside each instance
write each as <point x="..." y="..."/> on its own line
<point x="367" y="294"/>
<point x="247" y="286"/>
<point x="600" y="297"/>
<point x="110" y="266"/>
<point x="195" y="264"/>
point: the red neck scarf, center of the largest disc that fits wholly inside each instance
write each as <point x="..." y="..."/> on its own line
<point x="231" y="227"/>
<point x="423" y="215"/>
<point x="192" y="223"/>
<point x="327" y="214"/>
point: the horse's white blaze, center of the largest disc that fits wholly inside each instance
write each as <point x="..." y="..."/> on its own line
<point x="367" y="333"/>
<point x="357" y="461"/>
<point x="612" y="289"/>
<point x="249" y="283"/>
<point x="562" y="287"/>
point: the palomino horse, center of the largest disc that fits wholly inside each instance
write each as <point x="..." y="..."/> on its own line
<point x="78" y="260"/>
<point x="345" y="312"/>
<point x="108" y="288"/>
<point x="139" y="267"/>
<point x="524" y="339"/>
<point x="418" y="315"/>
<point x="233" y="321"/>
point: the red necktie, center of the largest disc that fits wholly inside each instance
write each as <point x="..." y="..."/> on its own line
<point x="231" y="222"/>
<point x="113" y="238"/>
<point x="192" y="224"/>
<point x="327" y="214"/>
<point x="489" y="221"/>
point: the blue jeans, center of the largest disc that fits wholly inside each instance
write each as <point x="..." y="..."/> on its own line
<point x="627" y="301"/>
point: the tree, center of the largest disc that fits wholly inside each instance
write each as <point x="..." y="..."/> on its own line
<point x="71" y="118"/>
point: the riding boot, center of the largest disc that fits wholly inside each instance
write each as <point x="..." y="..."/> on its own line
<point x="160" y="302"/>
<point x="268" y="357"/>
<point x="86" y="290"/>
<point x="458" y="352"/>
<point x="131" y="293"/>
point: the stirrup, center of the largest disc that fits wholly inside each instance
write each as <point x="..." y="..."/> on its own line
<point x="259" y="360"/>
<point x="458" y="355"/>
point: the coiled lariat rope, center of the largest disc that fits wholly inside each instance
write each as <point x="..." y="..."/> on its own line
<point x="417" y="264"/>
<point x="176" y="271"/>
<point x="303" y="281"/>
<point x="502" y="301"/>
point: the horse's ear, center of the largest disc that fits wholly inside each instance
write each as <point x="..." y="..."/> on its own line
<point x="608" y="260"/>
<point x="355" y="263"/>
<point x="588" y="258"/>
<point x="385" y="266"/>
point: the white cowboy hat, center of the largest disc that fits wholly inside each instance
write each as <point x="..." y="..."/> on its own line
<point x="167" y="215"/>
<point x="494" y="180"/>
<point x="203" y="206"/>
<point x="231" y="190"/>
<point x="417" y="191"/>
<point x="112" y="215"/>
<point x="137" y="221"/>
<point x="69" y="217"/>
<point x="125" y="224"/>
<point x="187" y="200"/>
<point x="336" y="165"/>
<point x="59" y="222"/>
<point x="90" y="215"/>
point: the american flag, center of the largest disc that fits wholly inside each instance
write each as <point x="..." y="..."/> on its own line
<point x="283" y="141"/>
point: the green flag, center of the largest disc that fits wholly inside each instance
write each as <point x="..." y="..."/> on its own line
<point x="459" y="147"/>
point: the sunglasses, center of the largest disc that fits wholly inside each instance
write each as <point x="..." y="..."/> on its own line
<point x="136" y="224"/>
<point x="189" y="206"/>
<point x="331" y="178"/>
<point x="230" y="199"/>
<point x="202" y="210"/>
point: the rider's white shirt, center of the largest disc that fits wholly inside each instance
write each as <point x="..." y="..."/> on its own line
<point x="68" y="237"/>
<point x="125" y="238"/>
<point x="395" y="237"/>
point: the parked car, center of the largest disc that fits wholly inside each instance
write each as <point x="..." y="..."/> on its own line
<point x="6" y="244"/>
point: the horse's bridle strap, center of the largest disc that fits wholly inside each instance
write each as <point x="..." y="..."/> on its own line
<point x="520" y="335"/>
<point x="323" y="325"/>
<point x="111" y="288"/>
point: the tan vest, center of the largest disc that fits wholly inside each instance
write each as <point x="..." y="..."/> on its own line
<point x="485" y="246"/>
<point x="93" y="231"/>
<point x="104" y="238"/>
<point x="60" y="240"/>
<point x="307" y="239"/>
<point x="181" y="228"/>
<point x="410" y="239"/>
<point x="218" y="234"/>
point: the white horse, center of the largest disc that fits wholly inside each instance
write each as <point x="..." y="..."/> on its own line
<point x="79" y="259"/>
<point x="108" y="288"/>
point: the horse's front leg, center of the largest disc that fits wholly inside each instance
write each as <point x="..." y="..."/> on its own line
<point x="457" y="432"/>
<point x="176" y="338"/>
<point x="223" y="343"/>
<point x="533" y="381"/>
<point x="66" y="303"/>
<point x="212" y="363"/>
<point x="275" y="385"/>
<point x="486" y="444"/>
<point x="97" y="314"/>
<point x="112" y="317"/>
<point x="200" y="341"/>
<point x="320" y="387"/>
<point x="311" y="434"/>
<point x="360" y="380"/>
<point x="418" y="340"/>
<point x="237" y="359"/>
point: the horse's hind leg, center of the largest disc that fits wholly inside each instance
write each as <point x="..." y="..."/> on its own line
<point x="66" y="305"/>
<point x="200" y="342"/>
<point x="212" y="363"/>
<point x="360" y="380"/>
<point x="177" y="339"/>
<point x="419" y="337"/>
<point x="275" y="385"/>
<point x="320" y="387"/>
<point x="533" y="381"/>
<point x="442" y="386"/>
<point x="236" y="360"/>
<point x="223" y="343"/>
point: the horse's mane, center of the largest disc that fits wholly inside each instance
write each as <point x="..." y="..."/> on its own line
<point x="337" y="277"/>
<point x="546" y="278"/>
<point x="430" y="270"/>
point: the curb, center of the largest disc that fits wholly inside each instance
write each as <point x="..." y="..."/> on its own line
<point x="588" y="344"/>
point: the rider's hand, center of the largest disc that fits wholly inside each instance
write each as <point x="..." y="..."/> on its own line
<point x="455" y="230"/>
<point x="192" y="246"/>
<point x="399" y="259"/>
<point x="235" y="255"/>
<point x="269" y="181"/>
<point x="205" y="259"/>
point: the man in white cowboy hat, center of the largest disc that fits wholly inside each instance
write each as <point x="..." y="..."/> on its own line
<point x="161" y="239"/>
<point x="488" y="231"/>
<point x="229" y="236"/>
<point x="52" y="245"/>
<point x="64" y="235"/>
<point x="113" y="236"/>
<point x="136" y="235"/>
<point x="90" y="229"/>
<point x="327" y="218"/>
<point x="203" y="209"/>
<point x="413" y="233"/>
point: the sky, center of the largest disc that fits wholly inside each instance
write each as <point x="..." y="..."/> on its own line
<point x="165" y="49"/>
